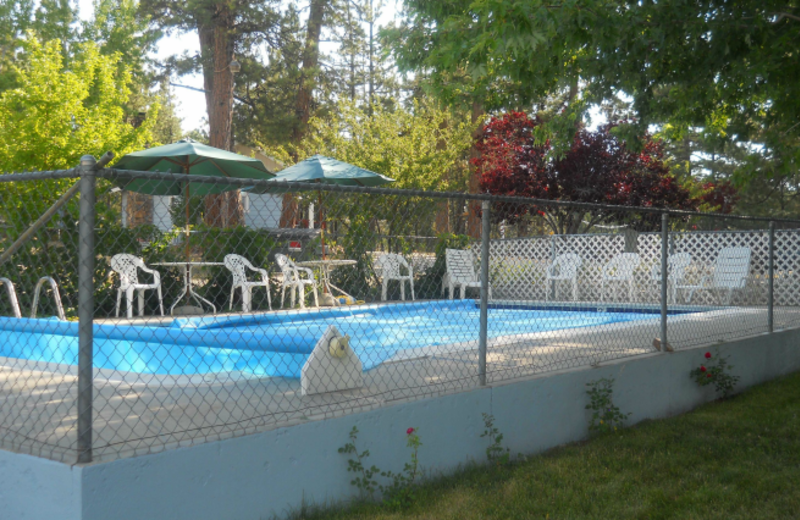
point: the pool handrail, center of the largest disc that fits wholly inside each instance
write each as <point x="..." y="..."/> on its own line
<point x="12" y="296"/>
<point x="56" y="297"/>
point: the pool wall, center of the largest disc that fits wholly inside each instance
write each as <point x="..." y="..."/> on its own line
<point x="274" y="472"/>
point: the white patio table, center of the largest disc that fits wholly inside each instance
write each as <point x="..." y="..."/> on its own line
<point x="325" y="267"/>
<point x="187" y="282"/>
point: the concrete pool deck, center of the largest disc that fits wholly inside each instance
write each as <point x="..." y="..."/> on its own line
<point x="136" y="414"/>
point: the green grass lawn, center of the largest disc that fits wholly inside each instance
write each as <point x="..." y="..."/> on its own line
<point x="725" y="460"/>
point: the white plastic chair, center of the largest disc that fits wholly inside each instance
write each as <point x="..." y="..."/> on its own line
<point x="676" y="272"/>
<point x="127" y="266"/>
<point x="293" y="280"/>
<point x="620" y="270"/>
<point x="390" y="264"/>
<point x="731" y="269"/>
<point x="461" y="272"/>
<point x="564" y="268"/>
<point x="238" y="266"/>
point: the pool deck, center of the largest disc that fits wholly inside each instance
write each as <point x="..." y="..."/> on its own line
<point x="137" y="414"/>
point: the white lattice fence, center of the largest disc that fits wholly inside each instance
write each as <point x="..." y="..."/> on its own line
<point x="787" y="268"/>
<point x="518" y="266"/>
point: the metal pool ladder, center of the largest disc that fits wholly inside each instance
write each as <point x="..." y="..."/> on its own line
<point x="12" y="296"/>
<point x="56" y="297"/>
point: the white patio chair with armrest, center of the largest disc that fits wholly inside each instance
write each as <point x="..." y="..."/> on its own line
<point x="563" y="269"/>
<point x="238" y="266"/>
<point x="619" y="270"/>
<point x="676" y="272"/>
<point x="293" y="280"/>
<point x="731" y="269"/>
<point x="127" y="267"/>
<point x="461" y="272"/>
<point x="390" y="264"/>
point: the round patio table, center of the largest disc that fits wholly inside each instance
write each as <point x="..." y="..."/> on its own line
<point x="187" y="282"/>
<point x="325" y="267"/>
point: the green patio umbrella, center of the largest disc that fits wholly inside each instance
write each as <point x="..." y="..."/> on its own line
<point x="192" y="158"/>
<point x="323" y="170"/>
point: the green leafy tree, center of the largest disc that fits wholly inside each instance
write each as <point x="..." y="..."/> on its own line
<point x="726" y="67"/>
<point x="57" y="115"/>
<point x="425" y="148"/>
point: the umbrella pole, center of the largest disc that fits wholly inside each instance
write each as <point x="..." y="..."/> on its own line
<point x="187" y="221"/>
<point x="188" y="249"/>
<point x="321" y="227"/>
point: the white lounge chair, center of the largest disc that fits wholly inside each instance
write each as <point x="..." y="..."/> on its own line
<point x="238" y="266"/>
<point x="390" y="265"/>
<point x="620" y="270"/>
<point x="731" y="269"/>
<point x="461" y="272"/>
<point x="127" y="267"/>
<point x="676" y="272"/>
<point x="563" y="269"/>
<point x="293" y="280"/>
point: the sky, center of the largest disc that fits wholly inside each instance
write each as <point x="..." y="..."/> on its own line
<point x="189" y="102"/>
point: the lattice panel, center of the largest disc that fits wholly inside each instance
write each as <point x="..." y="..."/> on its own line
<point x="518" y="266"/>
<point x="787" y="262"/>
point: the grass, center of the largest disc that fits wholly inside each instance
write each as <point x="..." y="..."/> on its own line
<point x="738" y="459"/>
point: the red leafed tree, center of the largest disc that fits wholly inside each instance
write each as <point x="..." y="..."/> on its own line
<point x="598" y="168"/>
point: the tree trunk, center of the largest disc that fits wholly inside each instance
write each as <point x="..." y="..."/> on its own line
<point x="216" y="41"/>
<point x="442" y="223"/>
<point x="473" y="217"/>
<point x="309" y="72"/>
<point x="138" y="209"/>
<point x="304" y="97"/>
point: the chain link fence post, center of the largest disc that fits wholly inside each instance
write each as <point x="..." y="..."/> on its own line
<point x="86" y="306"/>
<point x="771" y="276"/>
<point x="484" y="316"/>
<point x="664" y="278"/>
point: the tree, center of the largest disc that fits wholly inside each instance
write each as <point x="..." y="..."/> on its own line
<point x="598" y="168"/>
<point x="414" y="147"/>
<point x="726" y="67"/>
<point x="56" y="115"/>
<point x="221" y="26"/>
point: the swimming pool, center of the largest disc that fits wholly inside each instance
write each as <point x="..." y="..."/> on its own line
<point x="278" y="344"/>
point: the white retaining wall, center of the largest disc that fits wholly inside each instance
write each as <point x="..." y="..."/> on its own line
<point x="256" y="476"/>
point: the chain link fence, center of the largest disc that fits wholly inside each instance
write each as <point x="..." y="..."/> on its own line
<point x="196" y="309"/>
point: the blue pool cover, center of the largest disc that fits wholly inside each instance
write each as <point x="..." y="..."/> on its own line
<point x="278" y="344"/>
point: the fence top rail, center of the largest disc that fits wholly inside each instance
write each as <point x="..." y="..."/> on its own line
<point x="118" y="174"/>
<point x="72" y="173"/>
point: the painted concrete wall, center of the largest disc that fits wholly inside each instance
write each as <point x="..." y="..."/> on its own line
<point x="38" y="489"/>
<point x="162" y="218"/>
<point x="256" y="476"/>
<point x="262" y="211"/>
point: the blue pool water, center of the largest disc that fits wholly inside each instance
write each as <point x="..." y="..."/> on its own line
<point x="277" y="344"/>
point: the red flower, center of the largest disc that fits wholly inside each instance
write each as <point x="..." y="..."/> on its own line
<point x="410" y="431"/>
<point x="708" y="355"/>
<point x="702" y="368"/>
<point x="708" y="375"/>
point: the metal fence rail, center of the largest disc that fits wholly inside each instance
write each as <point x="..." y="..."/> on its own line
<point x="242" y="346"/>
